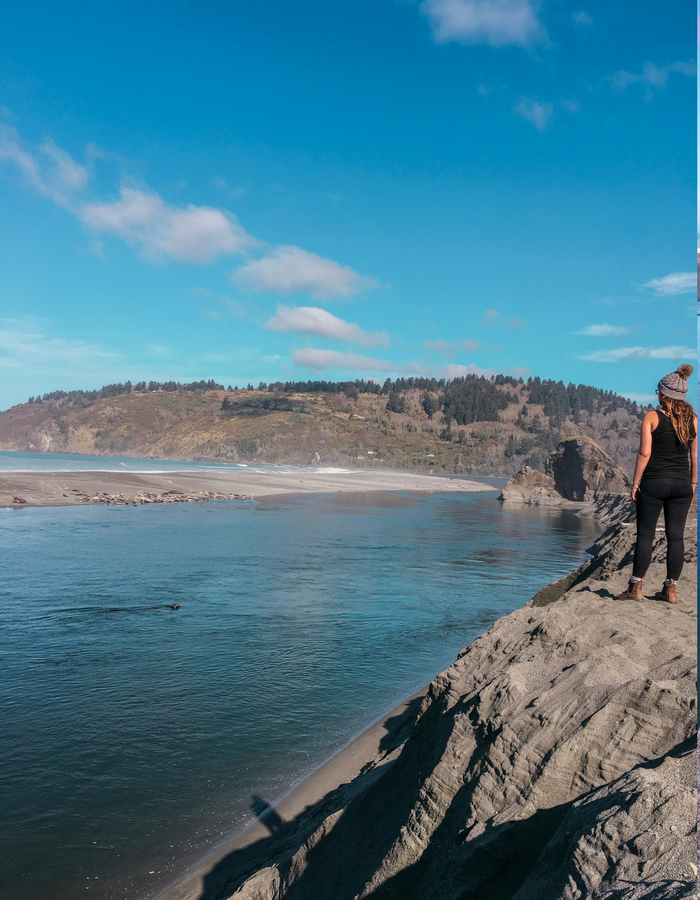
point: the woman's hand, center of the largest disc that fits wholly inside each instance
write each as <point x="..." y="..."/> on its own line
<point x="634" y="492"/>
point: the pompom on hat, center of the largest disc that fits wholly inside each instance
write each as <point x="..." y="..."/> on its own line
<point x="675" y="384"/>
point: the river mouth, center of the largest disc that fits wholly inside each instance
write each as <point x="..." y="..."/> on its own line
<point x="136" y="734"/>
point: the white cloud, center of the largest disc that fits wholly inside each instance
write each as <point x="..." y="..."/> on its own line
<point x="49" y="170"/>
<point x="628" y="353"/>
<point x="676" y="283"/>
<point x="536" y="112"/>
<point x="318" y="360"/>
<point x="312" y="320"/>
<point x="582" y="18"/>
<point x="290" y="270"/>
<point x="640" y="398"/>
<point x="495" y="22"/>
<point x="192" y="234"/>
<point x="607" y="330"/>
<point x="457" y="371"/>
<point x="211" y="313"/>
<point x="519" y="372"/>
<point x="652" y="76"/>
<point x="69" y="173"/>
<point x="184" y="233"/>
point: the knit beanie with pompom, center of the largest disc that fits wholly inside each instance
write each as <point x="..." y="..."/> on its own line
<point x="675" y="384"/>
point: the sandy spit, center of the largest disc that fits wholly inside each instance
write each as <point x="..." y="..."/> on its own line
<point x="54" y="488"/>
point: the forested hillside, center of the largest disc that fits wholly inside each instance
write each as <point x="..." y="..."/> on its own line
<point x="470" y="425"/>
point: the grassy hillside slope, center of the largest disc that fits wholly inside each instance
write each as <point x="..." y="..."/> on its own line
<point x="470" y="426"/>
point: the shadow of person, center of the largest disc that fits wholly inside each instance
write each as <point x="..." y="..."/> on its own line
<point x="285" y="838"/>
<point x="266" y="814"/>
<point x="399" y="727"/>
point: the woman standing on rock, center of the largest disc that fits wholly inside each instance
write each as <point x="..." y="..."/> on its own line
<point x="665" y="477"/>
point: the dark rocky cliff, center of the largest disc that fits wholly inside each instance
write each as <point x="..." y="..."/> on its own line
<point x="577" y="471"/>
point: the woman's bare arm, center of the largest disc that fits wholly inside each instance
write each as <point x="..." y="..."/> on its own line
<point x="649" y="423"/>
<point x="694" y="457"/>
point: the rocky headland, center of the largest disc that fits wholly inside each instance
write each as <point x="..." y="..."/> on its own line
<point x="467" y="426"/>
<point x="578" y="471"/>
<point x="554" y="759"/>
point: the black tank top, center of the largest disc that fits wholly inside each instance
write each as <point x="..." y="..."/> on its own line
<point x="669" y="458"/>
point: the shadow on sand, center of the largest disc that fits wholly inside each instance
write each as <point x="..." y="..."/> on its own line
<point x="285" y="838"/>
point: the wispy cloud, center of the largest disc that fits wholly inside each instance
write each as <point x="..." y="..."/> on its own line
<point x="493" y="317"/>
<point x="571" y="105"/>
<point x="519" y="372"/>
<point x="447" y="349"/>
<point x="651" y="76"/>
<point x="190" y="234"/>
<point x="536" y="112"/>
<point x="319" y="322"/>
<point x="496" y="22"/>
<point x="582" y="18"/>
<point x="621" y="354"/>
<point x="33" y="360"/>
<point x="159" y="350"/>
<point x="47" y="169"/>
<point x="319" y="360"/>
<point x="676" y="283"/>
<point x="160" y="230"/>
<point x="223" y="185"/>
<point x="607" y="330"/>
<point x="289" y="270"/>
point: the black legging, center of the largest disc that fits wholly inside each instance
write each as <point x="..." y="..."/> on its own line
<point x="674" y="496"/>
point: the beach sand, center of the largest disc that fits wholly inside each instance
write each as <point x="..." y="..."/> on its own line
<point x="55" y="488"/>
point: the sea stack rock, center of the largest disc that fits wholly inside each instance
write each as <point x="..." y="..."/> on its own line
<point x="581" y="470"/>
<point x="578" y="470"/>
<point x="531" y="486"/>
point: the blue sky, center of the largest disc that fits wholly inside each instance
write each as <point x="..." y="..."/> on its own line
<point x="363" y="188"/>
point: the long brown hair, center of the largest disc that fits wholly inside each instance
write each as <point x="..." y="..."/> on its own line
<point x="681" y="415"/>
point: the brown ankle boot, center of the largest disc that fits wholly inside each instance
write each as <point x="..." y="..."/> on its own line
<point x="633" y="591"/>
<point x="667" y="593"/>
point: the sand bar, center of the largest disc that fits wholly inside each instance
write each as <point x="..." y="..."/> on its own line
<point x="58" y="488"/>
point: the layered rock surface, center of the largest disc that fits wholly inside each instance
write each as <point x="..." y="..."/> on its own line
<point x="577" y="471"/>
<point x="582" y="470"/>
<point x="554" y="759"/>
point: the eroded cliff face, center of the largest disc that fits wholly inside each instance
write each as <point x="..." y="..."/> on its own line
<point x="553" y="759"/>
<point x="581" y="470"/>
<point x="577" y="471"/>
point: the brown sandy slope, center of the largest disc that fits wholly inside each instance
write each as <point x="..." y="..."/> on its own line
<point x="553" y="760"/>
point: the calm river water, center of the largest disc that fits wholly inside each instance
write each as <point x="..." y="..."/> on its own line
<point x="134" y="736"/>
